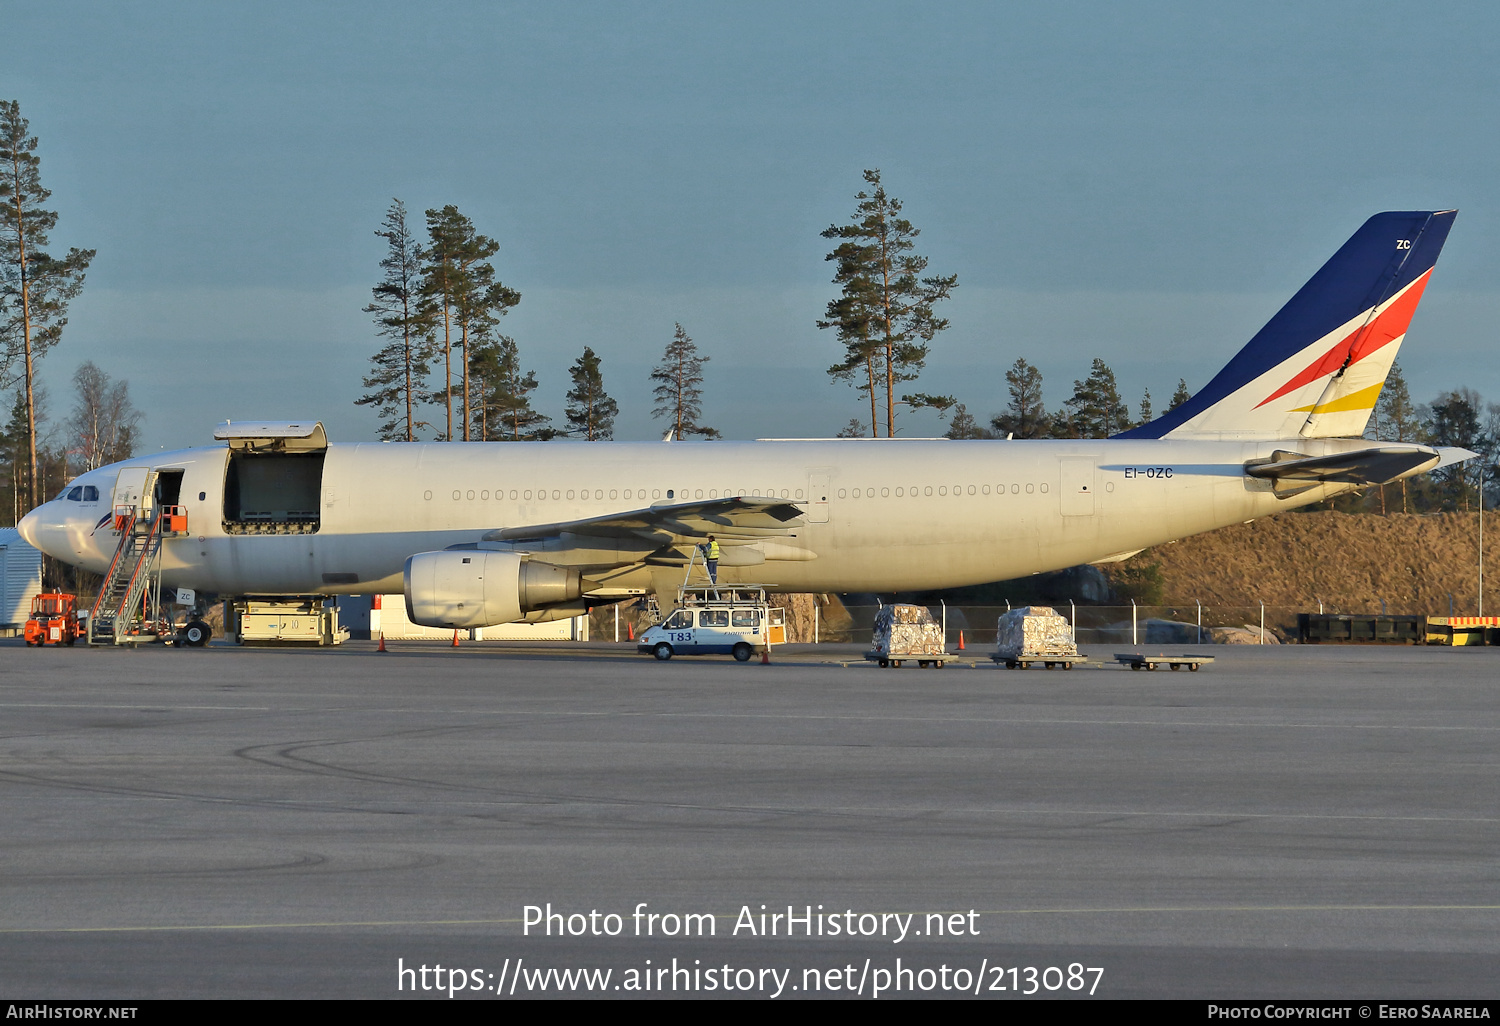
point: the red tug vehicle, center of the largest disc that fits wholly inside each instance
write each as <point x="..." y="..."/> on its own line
<point x="54" y="620"/>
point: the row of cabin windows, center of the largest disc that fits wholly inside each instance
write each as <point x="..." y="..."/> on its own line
<point x="636" y="494"/>
<point x="639" y="494"/>
<point x="943" y="490"/>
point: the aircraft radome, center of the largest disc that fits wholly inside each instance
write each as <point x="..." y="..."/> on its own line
<point x="486" y="533"/>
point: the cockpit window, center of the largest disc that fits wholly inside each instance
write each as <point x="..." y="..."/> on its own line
<point x="90" y="493"/>
<point x="75" y="494"/>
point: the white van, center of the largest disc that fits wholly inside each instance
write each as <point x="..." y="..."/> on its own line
<point x="716" y="621"/>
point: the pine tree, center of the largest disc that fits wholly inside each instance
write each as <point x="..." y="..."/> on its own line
<point x="963" y="425"/>
<point x="1453" y="420"/>
<point x="461" y="295"/>
<point x="590" y="411"/>
<point x="885" y="313"/>
<point x="1146" y="407"/>
<point x="1096" y="409"/>
<point x="398" y="380"/>
<point x="1024" y="416"/>
<point x="35" y="288"/>
<point x="679" y="392"/>
<point x="504" y="392"/>
<point x="1180" y="396"/>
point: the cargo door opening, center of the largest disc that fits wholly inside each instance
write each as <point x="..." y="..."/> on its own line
<point x="273" y="483"/>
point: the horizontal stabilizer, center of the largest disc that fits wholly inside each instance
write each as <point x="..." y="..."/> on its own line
<point x="1362" y="467"/>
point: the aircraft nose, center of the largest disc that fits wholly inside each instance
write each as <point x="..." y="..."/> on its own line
<point x="31" y="527"/>
<point x="44" y="529"/>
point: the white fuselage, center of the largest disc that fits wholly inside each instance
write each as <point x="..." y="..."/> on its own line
<point x="900" y="514"/>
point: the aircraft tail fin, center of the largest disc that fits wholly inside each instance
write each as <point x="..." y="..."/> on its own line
<point x="1316" y="369"/>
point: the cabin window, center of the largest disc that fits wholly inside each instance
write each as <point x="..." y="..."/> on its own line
<point x="679" y="620"/>
<point x="841" y="493"/>
<point x="427" y="496"/>
<point x="1044" y="487"/>
<point x="747" y="618"/>
<point x="471" y="494"/>
<point x="971" y="490"/>
<point x="457" y="495"/>
<point x="1028" y="489"/>
<point x="898" y="493"/>
<point x="671" y="493"/>
<point x="942" y="489"/>
<point x="885" y="493"/>
<point x="570" y="495"/>
<point x="986" y="489"/>
<point x="713" y="618"/>
<point x="1015" y="489"/>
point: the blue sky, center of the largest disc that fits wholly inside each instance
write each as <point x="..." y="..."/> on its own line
<point x="1144" y="183"/>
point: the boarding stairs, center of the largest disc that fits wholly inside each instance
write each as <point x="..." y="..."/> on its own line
<point x="128" y="609"/>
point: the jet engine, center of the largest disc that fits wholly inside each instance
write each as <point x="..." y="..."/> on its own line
<point x="481" y="588"/>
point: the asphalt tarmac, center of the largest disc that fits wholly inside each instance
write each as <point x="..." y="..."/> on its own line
<point x="1288" y="823"/>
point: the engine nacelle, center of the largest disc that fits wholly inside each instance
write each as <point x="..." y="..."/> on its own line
<point x="481" y="588"/>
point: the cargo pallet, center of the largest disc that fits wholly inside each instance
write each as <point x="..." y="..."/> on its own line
<point x="1136" y="661"/>
<point x="1048" y="660"/>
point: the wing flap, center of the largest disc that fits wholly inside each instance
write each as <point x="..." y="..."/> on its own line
<point x="756" y="516"/>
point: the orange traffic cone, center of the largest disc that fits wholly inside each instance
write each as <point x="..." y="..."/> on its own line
<point x="382" y="642"/>
<point x="455" y="639"/>
<point x="629" y="630"/>
<point x="765" y="656"/>
<point x="960" y="641"/>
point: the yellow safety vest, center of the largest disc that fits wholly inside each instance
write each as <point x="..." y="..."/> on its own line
<point x="713" y="550"/>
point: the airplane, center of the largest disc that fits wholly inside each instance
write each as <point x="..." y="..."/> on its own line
<point x="477" y="534"/>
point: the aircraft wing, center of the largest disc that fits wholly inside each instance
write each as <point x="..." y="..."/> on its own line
<point x="745" y="517"/>
<point x="1361" y="467"/>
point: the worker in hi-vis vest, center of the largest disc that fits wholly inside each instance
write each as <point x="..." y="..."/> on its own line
<point x="711" y="552"/>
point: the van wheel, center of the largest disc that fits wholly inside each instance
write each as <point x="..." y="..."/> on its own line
<point x="662" y="651"/>
<point x="196" y="634"/>
<point x="742" y="653"/>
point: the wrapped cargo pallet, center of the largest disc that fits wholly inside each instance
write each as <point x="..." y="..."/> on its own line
<point x="907" y="631"/>
<point x="1034" y="632"/>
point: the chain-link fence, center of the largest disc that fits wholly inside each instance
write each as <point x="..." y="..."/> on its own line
<point x="1101" y="625"/>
